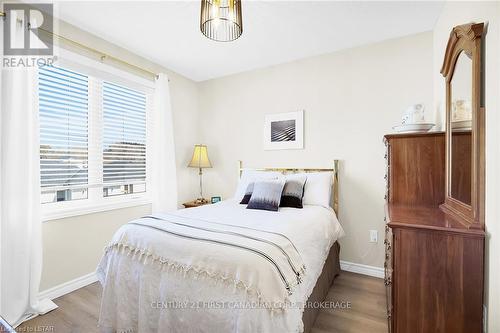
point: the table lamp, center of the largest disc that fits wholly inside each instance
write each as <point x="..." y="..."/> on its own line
<point x="200" y="160"/>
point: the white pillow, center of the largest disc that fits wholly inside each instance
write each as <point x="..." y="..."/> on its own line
<point x="249" y="176"/>
<point x="318" y="189"/>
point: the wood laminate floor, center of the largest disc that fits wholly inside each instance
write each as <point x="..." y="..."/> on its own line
<point x="78" y="311"/>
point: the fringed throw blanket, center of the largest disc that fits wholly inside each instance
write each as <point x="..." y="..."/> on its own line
<point x="264" y="263"/>
<point x="216" y="268"/>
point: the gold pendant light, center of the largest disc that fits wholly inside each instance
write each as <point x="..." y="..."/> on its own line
<point x="220" y="20"/>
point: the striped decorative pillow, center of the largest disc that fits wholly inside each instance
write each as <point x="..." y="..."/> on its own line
<point x="293" y="191"/>
<point x="250" y="176"/>
<point x="266" y="195"/>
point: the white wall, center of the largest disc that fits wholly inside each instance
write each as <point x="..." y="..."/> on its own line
<point x="456" y="13"/>
<point x="72" y="247"/>
<point x="351" y="99"/>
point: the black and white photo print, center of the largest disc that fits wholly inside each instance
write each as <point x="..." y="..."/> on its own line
<point x="284" y="131"/>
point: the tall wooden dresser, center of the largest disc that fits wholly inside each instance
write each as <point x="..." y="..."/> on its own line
<point x="434" y="264"/>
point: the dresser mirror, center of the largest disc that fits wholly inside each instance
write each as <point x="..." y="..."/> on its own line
<point x="461" y="130"/>
<point x="464" y="199"/>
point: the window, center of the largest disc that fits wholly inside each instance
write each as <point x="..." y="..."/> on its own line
<point x="63" y="107"/>
<point x="124" y="140"/>
<point x="93" y="139"/>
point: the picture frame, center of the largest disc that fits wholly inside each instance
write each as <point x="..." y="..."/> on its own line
<point x="284" y="131"/>
<point x="215" y="199"/>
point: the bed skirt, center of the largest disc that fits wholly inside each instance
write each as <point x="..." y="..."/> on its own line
<point x="330" y="270"/>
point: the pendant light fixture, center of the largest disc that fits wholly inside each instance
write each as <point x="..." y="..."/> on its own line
<point x="220" y="20"/>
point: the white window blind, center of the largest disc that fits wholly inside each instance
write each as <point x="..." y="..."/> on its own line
<point x="93" y="138"/>
<point x="124" y="140"/>
<point x="63" y="108"/>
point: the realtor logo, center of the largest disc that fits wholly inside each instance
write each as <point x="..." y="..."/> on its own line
<point x="25" y="29"/>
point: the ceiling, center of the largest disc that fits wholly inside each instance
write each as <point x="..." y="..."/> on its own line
<point x="273" y="31"/>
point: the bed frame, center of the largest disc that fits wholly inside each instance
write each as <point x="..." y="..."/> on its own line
<point x="331" y="268"/>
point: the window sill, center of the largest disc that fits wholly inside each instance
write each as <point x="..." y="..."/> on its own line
<point x="91" y="209"/>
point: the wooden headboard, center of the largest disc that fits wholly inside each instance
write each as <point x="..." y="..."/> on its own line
<point x="334" y="171"/>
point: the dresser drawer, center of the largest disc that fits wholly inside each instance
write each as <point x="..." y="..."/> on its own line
<point x="436" y="276"/>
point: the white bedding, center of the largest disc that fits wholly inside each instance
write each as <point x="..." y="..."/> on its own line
<point x="155" y="282"/>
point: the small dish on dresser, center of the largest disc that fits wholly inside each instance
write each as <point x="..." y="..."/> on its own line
<point x="461" y="124"/>
<point x="413" y="128"/>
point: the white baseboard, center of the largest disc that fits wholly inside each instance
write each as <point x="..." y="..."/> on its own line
<point x="377" y="272"/>
<point x="67" y="287"/>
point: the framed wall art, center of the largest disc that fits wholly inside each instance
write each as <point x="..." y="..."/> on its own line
<point x="284" y="131"/>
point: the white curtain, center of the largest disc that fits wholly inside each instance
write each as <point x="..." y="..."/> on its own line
<point x="163" y="167"/>
<point x="1" y="58"/>
<point x="20" y="217"/>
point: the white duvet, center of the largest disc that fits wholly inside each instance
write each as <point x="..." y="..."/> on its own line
<point x="154" y="281"/>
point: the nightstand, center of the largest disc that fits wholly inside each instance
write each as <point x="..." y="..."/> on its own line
<point x="195" y="203"/>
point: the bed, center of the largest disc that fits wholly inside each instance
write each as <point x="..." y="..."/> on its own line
<point x="222" y="268"/>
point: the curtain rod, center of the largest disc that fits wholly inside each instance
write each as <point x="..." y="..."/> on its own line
<point x="101" y="54"/>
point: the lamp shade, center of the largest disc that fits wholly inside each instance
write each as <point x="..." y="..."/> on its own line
<point x="220" y="20"/>
<point x="200" y="157"/>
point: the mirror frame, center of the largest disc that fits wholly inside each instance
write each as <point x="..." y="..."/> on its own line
<point x="466" y="38"/>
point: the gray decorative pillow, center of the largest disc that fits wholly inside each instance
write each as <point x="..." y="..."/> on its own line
<point x="293" y="191"/>
<point x="248" y="194"/>
<point x="266" y="195"/>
